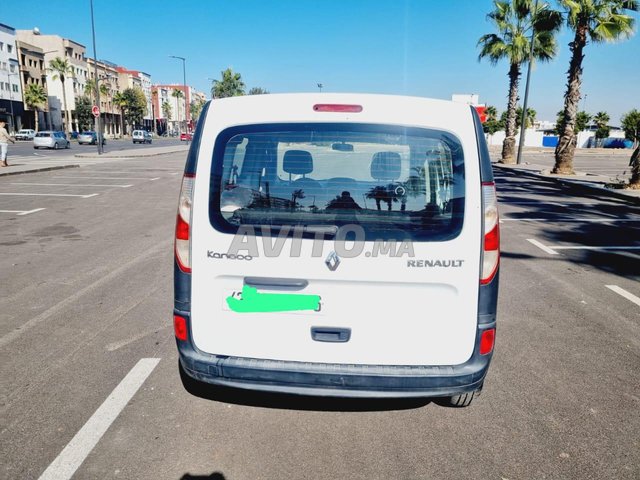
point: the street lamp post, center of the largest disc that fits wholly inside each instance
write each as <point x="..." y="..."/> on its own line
<point x="184" y="84"/>
<point x="96" y="83"/>
<point x="523" y="121"/>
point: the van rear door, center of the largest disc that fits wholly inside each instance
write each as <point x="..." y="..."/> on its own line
<point x="349" y="243"/>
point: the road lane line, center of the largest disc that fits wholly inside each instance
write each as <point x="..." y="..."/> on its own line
<point x="71" y="185"/>
<point x="22" y="212"/>
<point x="542" y="247"/>
<point x="586" y="247"/>
<point x="573" y="219"/>
<point x="624" y="293"/>
<point x="77" y="450"/>
<point x="49" y="194"/>
<point x="153" y="179"/>
<point x="102" y="178"/>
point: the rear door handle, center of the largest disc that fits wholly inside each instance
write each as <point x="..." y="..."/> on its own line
<point x="331" y="334"/>
<point x="273" y="283"/>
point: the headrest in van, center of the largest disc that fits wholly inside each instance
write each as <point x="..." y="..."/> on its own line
<point x="297" y="162"/>
<point x="386" y="166"/>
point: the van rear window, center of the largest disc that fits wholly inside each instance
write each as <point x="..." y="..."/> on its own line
<point x="395" y="182"/>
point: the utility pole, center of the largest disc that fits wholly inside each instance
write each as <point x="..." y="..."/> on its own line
<point x="96" y="84"/>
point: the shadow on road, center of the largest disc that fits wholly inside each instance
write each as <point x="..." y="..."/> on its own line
<point x="623" y="231"/>
<point x="282" y="401"/>
<point x="213" y="476"/>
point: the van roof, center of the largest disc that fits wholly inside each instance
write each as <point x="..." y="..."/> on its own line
<point x="298" y="107"/>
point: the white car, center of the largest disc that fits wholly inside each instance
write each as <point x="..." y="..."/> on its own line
<point x="141" y="136"/>
<point x="25" y="134"/>
<point x="51" y="139"/>
<point x="337" y="245"/>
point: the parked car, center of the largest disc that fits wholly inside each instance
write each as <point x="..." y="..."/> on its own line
<point x="185" y="136"/>
<point x="141" y="136"/>
<point x="315" y="316"/>
<point x="51" y="139"/>
<point x="90" y="138"/>
<point x="25" y="134"/>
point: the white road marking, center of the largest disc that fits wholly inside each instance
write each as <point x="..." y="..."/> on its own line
<point x="153" y="179"/>
<point x="624" y="293"/>
<point x="71" y="185"/>
<point x="572" y="219"/>
<point x="77" y="450"/>
<point x="585" y="247"/>
<point x="50" y="194"/>
<point x="103" y="178"/>
<point x="542" y="247"/>
<point x="22" y="212"/>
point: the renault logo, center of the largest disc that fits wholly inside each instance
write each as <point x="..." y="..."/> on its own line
<point x="332" y="261"/>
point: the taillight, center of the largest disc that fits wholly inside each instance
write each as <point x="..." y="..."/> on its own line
<point x="180" y="327"/>
<point x="487" y="340"/>
<point x="334" y="107"/>
<point x="183" y="226"/>
<point x="491" y="244"/>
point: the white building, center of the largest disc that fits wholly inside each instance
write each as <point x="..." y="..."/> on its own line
<point x="11" y="106"/>
<point x="53" y="47"/>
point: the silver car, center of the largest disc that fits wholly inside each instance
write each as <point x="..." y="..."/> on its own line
<point x="90" y="138"/>
<point x="51" y="139"/>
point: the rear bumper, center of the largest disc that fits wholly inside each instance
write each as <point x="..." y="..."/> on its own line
<point x="335" y="380"/>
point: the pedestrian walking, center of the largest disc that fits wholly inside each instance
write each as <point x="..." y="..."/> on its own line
<point x="4" y="143"/>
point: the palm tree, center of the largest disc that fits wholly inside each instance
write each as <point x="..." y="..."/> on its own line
<point x="35" y="97"/>
<point x="120" y="100"/>
<point x="514" y="22"/>
<point x="60" y="68"/>
<point x="90" y="89"/>
<point x="598" y="21"/>
<point x="231" y="85"/>
<point x="177" y="94"/>
<point x="634" y="182"/>
<point x="166" y="110"/>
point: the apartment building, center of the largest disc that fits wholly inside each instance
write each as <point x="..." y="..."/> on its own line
<point x="175" y="118"/>
<point x="11" y="106"/>
<point x="141" y="80"/>
<point x="54" y="46"/>
<point x="33" y="72"/>
<point x="109" y="83"/>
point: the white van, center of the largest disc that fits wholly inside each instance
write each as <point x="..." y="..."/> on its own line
<point x="338" y="245"/>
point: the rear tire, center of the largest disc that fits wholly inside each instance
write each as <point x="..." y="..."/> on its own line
<point x="55" y="146"/>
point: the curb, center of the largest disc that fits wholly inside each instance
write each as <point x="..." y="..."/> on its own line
<point x="34" y="170"/>
<point x="574" y="183"/>
<point x="154" y="154"/>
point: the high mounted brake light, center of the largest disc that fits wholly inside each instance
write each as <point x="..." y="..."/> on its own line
<point x="183" y="224"/>
<point x="334" y="107"/>
<point x="491" y="243"/>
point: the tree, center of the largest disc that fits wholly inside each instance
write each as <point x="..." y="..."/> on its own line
<point x="196" y="108"/>
<point x="631" y="125"/>
<point x="492" y="124"/>
<point x="514" y="22"/>
<point x="601" y="119"/>
<point x="120" y="101"/>
<point x="258" y="91"/>
<point x="135" y="105"/>
<point x="166" y="110"/>
<point x="598" y="21"/>
<point x="231" y="85"/>
<point x="177" y="94"/>
<point x="582" y="121"/>
<point x="90" y="90"/>
<point x="61" y="68"/>
<point x="83" y="113"/>
<point x="35" y="97"/>
<point x="634" y="182"/>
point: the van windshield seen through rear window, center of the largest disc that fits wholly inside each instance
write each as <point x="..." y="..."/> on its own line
<point x="400" y="183"/>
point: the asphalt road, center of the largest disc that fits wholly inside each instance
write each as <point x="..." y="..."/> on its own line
<point x="86" y="293"/>
<point x="24" y="149"/>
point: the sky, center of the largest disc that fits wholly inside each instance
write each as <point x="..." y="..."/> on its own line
<point x="425" y="48"/>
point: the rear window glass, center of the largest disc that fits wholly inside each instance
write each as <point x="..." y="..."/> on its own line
<point x="43" y="134"/>
<point x="395" y="182"/>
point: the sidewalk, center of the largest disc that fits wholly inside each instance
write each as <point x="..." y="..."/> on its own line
<point x="593" y="182"/>
<point x="70" y="162"/>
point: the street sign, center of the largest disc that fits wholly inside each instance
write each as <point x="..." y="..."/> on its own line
<point x="96" y="111"/>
